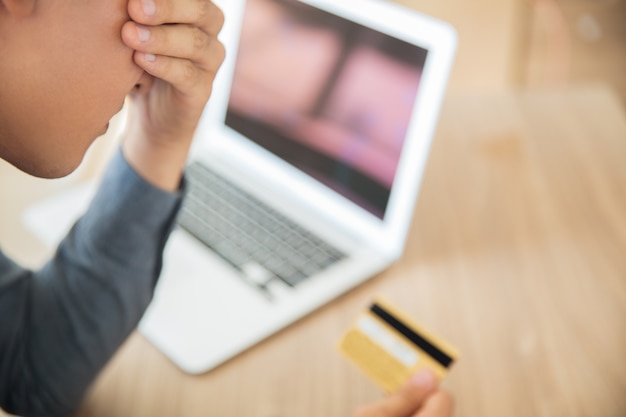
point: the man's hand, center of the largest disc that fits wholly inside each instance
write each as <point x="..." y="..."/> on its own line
<point x="420" y="397"/>
<point x="175" y="42"/>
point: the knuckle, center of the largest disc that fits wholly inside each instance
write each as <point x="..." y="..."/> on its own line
<point x="220" y="19"/>
<point x="220" y="52"/>
<point x="215" y="58"/>
<point x="188" y="73"/>
<point x="200" y="39"/>
<point x="203" y="8"/>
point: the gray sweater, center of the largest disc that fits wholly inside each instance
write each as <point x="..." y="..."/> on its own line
<point x="59" y="326"/>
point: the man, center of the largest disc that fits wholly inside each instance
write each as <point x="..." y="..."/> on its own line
<point x="65" y="70"/>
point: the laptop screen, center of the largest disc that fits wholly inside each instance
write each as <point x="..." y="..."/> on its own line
<point x="328" y="96"/>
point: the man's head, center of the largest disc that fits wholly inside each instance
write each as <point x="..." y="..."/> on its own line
<point x="64" y="73"/>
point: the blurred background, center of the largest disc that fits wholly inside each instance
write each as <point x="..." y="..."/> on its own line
<point x="507" y="44"/>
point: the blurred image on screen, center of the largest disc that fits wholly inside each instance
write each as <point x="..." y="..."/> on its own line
<point x="330" y="97"/>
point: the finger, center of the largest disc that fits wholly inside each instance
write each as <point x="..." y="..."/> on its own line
<point x="406" y="401"/>
<point x="202" y="13"/>
<point x="181" y="74"/>
<point x="439" y="404"/>
<point x="179" y="41"/>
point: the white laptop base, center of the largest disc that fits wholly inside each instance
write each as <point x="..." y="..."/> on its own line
<point x="203" y="313"/>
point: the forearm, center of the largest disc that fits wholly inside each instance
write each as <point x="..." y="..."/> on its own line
<point x="156" y="159"/>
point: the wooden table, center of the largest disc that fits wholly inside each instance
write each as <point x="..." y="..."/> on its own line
<point x="517" y="255"/>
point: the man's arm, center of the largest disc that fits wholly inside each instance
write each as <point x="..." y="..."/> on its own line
<point x="60" y="325"/>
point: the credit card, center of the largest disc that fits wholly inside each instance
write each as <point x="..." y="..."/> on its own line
<point x="389" y="347"/>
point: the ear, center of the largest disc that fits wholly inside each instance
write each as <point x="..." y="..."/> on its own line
<point x="19" y="8"/>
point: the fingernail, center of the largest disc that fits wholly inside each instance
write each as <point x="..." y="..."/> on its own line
<point x="149" y="8"/>
<point x="143" y="34"/>
<point x="149" y="57"/>
<point x="424" y="379"/>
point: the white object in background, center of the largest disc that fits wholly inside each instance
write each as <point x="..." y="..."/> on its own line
<point x="50" y="219"/>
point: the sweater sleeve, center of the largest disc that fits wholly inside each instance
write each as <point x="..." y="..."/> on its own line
<point x="59" y="326"/>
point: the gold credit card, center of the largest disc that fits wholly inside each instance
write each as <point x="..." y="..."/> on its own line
<point x="389" y="347"/>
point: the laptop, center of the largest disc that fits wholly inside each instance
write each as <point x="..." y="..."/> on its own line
<point x="304" y="172"/>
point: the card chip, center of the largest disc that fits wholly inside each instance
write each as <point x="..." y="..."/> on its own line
<point x="389" y="348"/>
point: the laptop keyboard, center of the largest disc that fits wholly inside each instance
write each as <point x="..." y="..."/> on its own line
<point x="253" y="237"/>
